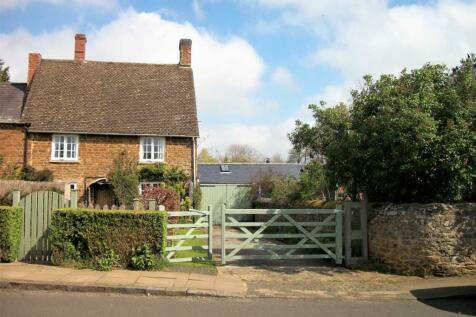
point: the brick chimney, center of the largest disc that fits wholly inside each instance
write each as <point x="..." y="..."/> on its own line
<point x="79" y="47"/>
<point x="185" y="48"/>
<point x="34" y="60"/>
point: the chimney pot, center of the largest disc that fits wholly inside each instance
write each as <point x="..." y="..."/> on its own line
<point x="185" y="48"/>
<point x="34" y="60"/>
<point x="80" y="47"/>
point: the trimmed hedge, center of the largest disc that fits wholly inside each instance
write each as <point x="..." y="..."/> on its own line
<point x="103" y="239"/>
<point x="11" y="221"/>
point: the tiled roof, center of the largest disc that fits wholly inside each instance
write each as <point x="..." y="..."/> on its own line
<point x="112" y="98"/>
<point x="243" y="173"/>
<point x="11" y="101"/>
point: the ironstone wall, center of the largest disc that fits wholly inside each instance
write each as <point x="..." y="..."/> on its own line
<point x="425" y="239"/>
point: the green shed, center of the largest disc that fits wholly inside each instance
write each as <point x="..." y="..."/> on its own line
<point x="231" y="183"/>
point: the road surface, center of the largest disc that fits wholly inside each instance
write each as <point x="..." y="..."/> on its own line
<point x="52" y="304"/>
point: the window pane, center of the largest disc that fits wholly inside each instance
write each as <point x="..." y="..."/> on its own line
<point x="73" y="149"/>
<point x="61" y="147"/>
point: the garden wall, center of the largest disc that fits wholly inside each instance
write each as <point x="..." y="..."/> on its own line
<point x="26" y="187"/>
<point x="425" y="239"/>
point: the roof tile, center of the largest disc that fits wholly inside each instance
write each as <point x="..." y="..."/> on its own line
<point x="112" y="98"/>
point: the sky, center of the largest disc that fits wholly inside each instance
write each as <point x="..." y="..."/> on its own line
<point x="257" y="64"/>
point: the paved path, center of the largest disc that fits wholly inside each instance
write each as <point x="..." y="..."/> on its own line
<point x="290" y="282"/>
<point x="330" y="281"/>
<point x="42" y="304"/>
<point x="157" y="282"/>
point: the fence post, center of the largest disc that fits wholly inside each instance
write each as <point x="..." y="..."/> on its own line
<point x="73" y="198"/>
<point x="223" y="225"/>
<point x="339" y="234"/>
<point x="162" y="208"/>
<point x="348" y="233"/>
<point x="136" y="204"/>
<point x="151" y="204"/>
<point x="363" y="229"/>
<point x="210" y="232"/>
<point x="16" y="198"/>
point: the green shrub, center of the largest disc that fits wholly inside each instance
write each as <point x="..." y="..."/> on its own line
<point x="124" y="178"/>
<point x="31" y="174"/>
<point x="107" y="261"/>
<point x="170" y="177"/>
<point x="93" y="238"/>
<point x="197" y="197"/>
<point x="144" y="259"/>
<point x="186" y="204"/>
<point x="11" y="221"/>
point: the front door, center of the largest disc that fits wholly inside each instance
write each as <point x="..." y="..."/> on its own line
<point x="104" y="196"/>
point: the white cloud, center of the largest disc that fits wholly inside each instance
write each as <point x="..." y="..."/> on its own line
<point x="227" y="72"/>
<point x="12" y="4"/>
<point x="266" y="138"/>
<point x="333" y="94"/>
<point x="197" y="9"/>
<point x="360" y="37"/>
<point x="282" y="77"/>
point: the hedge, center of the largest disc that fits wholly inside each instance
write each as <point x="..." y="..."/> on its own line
<point x="90" y="238"/>
<point x="11" y="221"/>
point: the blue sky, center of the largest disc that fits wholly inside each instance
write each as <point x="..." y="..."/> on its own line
<point x="257" y="63"/>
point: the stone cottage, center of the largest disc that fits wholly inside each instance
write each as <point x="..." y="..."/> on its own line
<point x="73" y="117"/>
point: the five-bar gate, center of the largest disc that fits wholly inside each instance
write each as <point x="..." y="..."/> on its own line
<point x="282" y="234"/>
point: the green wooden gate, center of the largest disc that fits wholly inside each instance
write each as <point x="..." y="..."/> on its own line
<point x="37" y="209"/>
<point x="231" y="195"/>
<point x="316" y="233"/>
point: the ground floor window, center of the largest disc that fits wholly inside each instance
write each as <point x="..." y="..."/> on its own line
<point x="144" y="185"/>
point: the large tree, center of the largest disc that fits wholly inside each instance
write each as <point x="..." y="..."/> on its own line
<point x="204" y="156"/>
<point x="405" y="138"/>
<point x="242" y="153"/>
<point x="4" y="72"/>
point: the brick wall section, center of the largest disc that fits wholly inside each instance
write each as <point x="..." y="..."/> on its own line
<point x="96" y="153"/>
<point x="12" y="140"/>
<point x="425" y="239"/>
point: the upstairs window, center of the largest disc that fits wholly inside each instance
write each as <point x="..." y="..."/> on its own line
<point x="64" y="147"/>
<point x="152" y="149"/>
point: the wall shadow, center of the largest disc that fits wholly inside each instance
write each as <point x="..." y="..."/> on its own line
<point x="458" y="299"/>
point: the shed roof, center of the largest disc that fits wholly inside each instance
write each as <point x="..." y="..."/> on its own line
<point x="243" y="173"/>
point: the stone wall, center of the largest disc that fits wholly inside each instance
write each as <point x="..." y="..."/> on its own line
<point x="425" y="239"/>
<point x="95" y="156"/>
<point x="12" y="140"/>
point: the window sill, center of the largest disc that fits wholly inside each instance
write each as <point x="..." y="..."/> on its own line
<point x="65" y="161"/>
<point x="151" y="162"/>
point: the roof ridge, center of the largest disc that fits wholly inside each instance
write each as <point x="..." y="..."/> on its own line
<point x="107" y="62"/>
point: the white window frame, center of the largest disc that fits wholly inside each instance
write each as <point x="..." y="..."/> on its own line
<point x="142" y="186"/>
<point x="152" y="139"/>
<point x="65" y="147"/>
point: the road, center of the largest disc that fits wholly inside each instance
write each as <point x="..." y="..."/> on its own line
<point x="52" y="304"/>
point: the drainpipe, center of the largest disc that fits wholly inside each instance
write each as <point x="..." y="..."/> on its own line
<point x="194" y="171"/>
